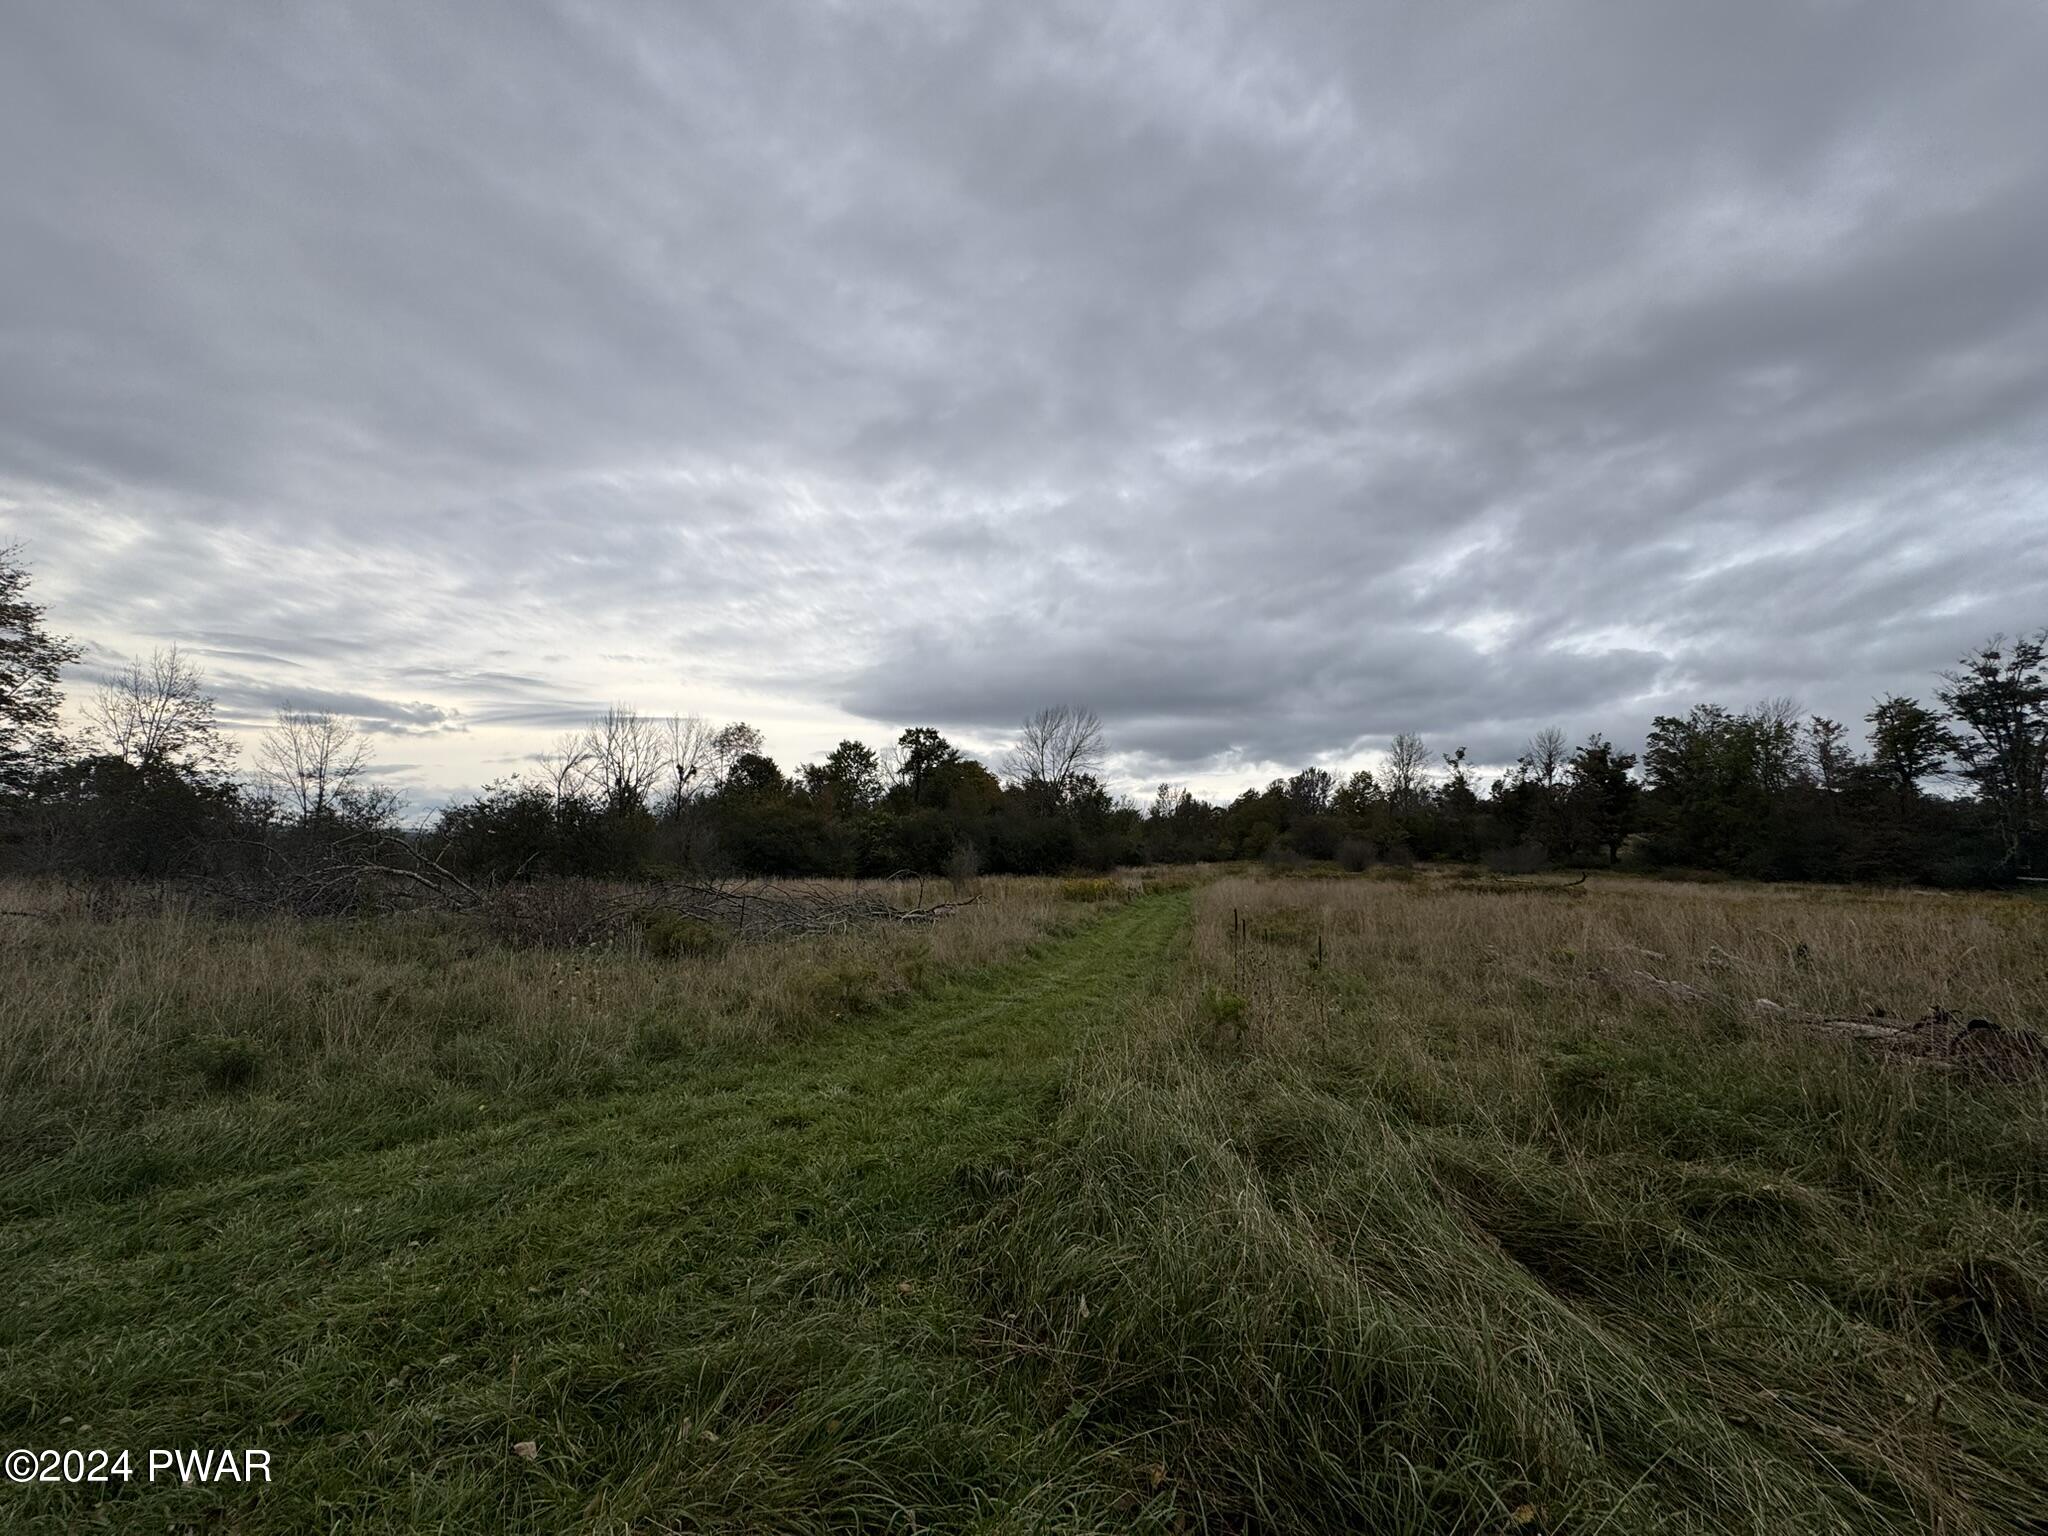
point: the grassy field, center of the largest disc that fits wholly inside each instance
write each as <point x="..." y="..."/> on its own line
<point x="1362" y="1203"/>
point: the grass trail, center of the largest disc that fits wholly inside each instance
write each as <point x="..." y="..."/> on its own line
<point x="721" y="1303"/>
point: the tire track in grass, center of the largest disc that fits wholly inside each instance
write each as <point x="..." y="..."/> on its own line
<point x="758" y="1245"/>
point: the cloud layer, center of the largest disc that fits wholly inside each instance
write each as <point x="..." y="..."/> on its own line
<point x="1272" y="377"/>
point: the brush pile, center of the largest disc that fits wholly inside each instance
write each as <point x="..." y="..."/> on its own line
<point x="354" y="872"/>
<point x="569" y="914"/>
<point x="393" y="874"/>
<point x="755" y="910"/>
<point x="1937" y="1038"/>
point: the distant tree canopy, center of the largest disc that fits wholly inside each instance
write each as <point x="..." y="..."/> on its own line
<point x="149" y="789"/>
<point x="31" y="661"/>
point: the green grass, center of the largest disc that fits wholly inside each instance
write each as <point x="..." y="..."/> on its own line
<point x="1275" y="1205"/>
<point x="726" y="1302"/>
<point x="1397" y="1216"/>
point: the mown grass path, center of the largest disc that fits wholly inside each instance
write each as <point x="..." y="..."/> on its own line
<point x="730" y="1301"/>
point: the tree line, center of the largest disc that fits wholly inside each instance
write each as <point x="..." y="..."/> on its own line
<point x="1952" y="791"/>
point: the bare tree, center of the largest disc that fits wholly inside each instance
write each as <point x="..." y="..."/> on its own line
<point x="565" y="766"/>
<point x="1543" y="759"/>
<point x="686" y="745"/>
<point x="1407" y="772"/>
<point x="1059" y="744"/>
<point x="158" y="713"/>
<point x="626" y="757"/>
<point x="314" y="764"/>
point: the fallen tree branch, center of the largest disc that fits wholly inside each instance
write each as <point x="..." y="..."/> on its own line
<point x="1643" y="981"/>
<point x="1939" y="1039"/>
<point x="767" y="911"/>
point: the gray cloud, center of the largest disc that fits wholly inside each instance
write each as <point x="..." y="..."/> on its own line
<point x="1273" y="377"/>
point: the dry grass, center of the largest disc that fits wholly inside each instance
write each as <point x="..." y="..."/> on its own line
<point x="1399" y="1214"/>
<point x="139" y="1022"/>
<point x="1478" y="961"/>
<point x="715" y="1300"/>
<point x="1394" y="1203"/>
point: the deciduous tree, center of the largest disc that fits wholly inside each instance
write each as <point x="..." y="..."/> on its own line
<point x="31" y="663"/>
<point x="1601" y="795"/>
<point x="1407" y="774"/>
<point x="316" y="764"/>
<point x="158" y="714"/>
<point x="1057" y="746"/>
<point x="1908" y="743"/>
<point x="1998" y="697"/>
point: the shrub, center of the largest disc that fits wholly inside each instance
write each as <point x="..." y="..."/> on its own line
<point x="228" y="1063"/>
<point x="1356" y="854"/>
<point x="1091" y="890"/>
<point x="1522" y="859"/>
<point x="1223" y="1018"/>
<point x="1220" y="1007"/>
<point x="552" y="914"/>
<point x="843" y="989"/>
<point x="1316" y="837"/>
<point x="672" y="936"/>
<point x="962" y="866"/>
<point x="662" y="1039"/>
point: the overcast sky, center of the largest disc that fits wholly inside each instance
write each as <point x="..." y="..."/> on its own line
<point x="1271" y="377"/>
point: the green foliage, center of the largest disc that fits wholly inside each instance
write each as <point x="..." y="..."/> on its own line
<point x="1908" y="743"/>
<point x="662" y="1039"/>
<point x="672" y="936"/>
<point x="1222" y="1010"/>
<point x="1999" y="700"/>
<point x="32" y="661"/>
<point x="848" y="783"/>
<point x="1600" y="798"/>
<point x="227" y="1063"/>
<point x="923" y="758"/>
<point x="702" y="1296"/>
<point x="1091" y="890"/>
<point x="1521" y="859"/>
<point x="1356" y="854"/>
<point x="105" y="816"/>
<point x="845" y="989"/>
<point x="1030" y="1252"/>
<point x="1759" y="793"/>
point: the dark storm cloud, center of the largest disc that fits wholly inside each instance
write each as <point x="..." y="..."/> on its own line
<point x="1272" y="377"/>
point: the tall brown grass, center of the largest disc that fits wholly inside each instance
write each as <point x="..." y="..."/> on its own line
<point x="123" y="1006"/>
<point x="1410" y="1209"/>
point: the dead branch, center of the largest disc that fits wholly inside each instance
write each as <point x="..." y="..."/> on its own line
<point x="1643" y="981"/>
<point x="778" y="911"/>
<point x="1939" y="1039"/>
